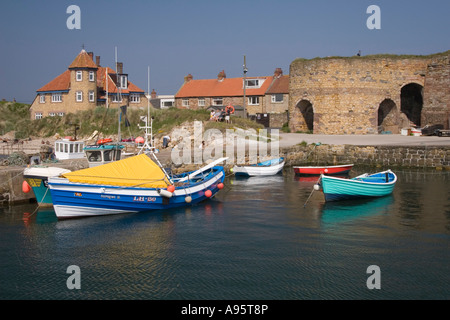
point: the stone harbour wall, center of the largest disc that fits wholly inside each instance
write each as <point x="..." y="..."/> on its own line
<point x="377" y="156"/>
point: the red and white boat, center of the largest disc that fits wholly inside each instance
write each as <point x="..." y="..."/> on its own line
<point x="327" y="170"/>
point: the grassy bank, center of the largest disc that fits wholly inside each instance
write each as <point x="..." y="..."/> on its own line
<point x="16" y="118"/>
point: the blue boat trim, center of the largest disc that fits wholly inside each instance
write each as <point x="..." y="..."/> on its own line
<point x="86" y="198"/>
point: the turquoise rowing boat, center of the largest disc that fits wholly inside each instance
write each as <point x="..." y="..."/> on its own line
<point x="364" y="186"/>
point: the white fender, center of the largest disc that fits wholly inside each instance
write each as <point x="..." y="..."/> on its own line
<point x="165" y="193"/>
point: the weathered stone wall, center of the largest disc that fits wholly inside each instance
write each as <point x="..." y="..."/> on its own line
<point x="277" y="120"/>
<point x="343" y="95"/>
<point x="437" y="93"/>
<point x="386" y="156"/>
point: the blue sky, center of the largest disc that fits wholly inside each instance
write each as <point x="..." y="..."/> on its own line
<point x="175" y="38"/>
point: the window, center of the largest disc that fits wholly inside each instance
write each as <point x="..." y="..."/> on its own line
<point x="94" y="156"/>
<point x="91" y="76"/>
<point x="57" y="97"/>
<point x="135" y="98"/>
<point x="38" y="115"/>
<point x="116" y="99"/>
<point x="42" y="98"/>
<point x="254" y="83"/>
<point x="123" y="82"/>
<point x="166" y="104"/>
<point x="185" y="103"/>
<point x="253" y="100"/>
<point x="217" y="102"/>
<point x="278" y="97"/>
<point x="52" y="114"/>
<point x="79" y="76"/>
<point x="201" y="102"/>
<point x="79" y="95"/>
<point x="91" y="96"/>
<point x="61" y="114"/>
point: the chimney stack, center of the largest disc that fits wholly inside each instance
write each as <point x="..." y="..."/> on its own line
<point x="119" y="67"/>
<point x="188" y="78"/>
<point x="153" y="94"/>
<point x="97" y="61"/>
<point x="278" y="73"/>
<point x="221" y="75"/>
<point x="91" y="54"/>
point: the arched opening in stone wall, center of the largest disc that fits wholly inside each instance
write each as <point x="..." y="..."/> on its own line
<point x="388" y="117"/>
<point x="307" y="111"/>
<point x="412" y="102"/>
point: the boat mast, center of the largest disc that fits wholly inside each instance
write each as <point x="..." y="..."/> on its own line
<point x="118" y="85"/>
<point x="106" y="79"/>
<point x="148" y="135"/>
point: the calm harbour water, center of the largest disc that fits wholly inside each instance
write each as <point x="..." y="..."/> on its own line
<point x="256" y="240"/>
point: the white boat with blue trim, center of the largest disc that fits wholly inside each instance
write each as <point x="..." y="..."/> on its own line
<point x="265" y="168"/>
<point x="134" y="184"/>
<point x="364" y="186"/>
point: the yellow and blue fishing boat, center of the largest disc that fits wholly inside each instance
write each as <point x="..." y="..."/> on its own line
<point x="134" y="184"/>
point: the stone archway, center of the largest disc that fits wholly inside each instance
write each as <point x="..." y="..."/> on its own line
<point x="306" y="108"/>
<point x="388" y="117"/>
<point x="412" y="102"/>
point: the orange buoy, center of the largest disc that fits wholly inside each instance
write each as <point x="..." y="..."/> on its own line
<point x="171" y="188"/>
<point x="208" y="193"/>
<point x="220" y="186"/>
<point x="139" y="140"/>
<point x="26" y="187"/>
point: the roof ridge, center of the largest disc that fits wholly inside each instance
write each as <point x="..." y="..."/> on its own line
<point x="83" y="60"/>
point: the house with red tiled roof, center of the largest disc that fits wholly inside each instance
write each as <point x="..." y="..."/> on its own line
<point x="85" y="85"/>
<point x="277" y="95"/>
<point x="266" y="94"/>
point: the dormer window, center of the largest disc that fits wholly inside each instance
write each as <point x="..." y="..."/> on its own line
<point x="253" y="83"/>
<point x="123" y="82"/>
<point x="79" y="76"/>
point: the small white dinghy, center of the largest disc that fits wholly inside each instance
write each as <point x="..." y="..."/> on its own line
<point x="265" y="168"/>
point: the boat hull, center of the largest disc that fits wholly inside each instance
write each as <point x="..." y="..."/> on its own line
<point x="72" y="200"/>
<point x="373" y="186"/>
<point x="37" y="178"/>
<point x="328" y="170"/>
<point x="40" y="189"/>
<point x="259" y="170"/>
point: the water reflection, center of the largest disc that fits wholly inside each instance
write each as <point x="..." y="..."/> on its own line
<point x="255" y="228"/>
<point x="343" y="211"/>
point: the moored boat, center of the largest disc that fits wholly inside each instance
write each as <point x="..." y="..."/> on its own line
<point x="364" y="186"/>
<point x="68" y="149"/>
<point x="102" y="153"/>
<point x="37" y="178"/>
<point x="328" y="170"/>
<point x="265" y="168"/>
<point x="133" y="184"/>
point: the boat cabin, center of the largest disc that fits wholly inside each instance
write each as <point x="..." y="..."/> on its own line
<point x="67" y="149"/>
<point x="102" y="153"/>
